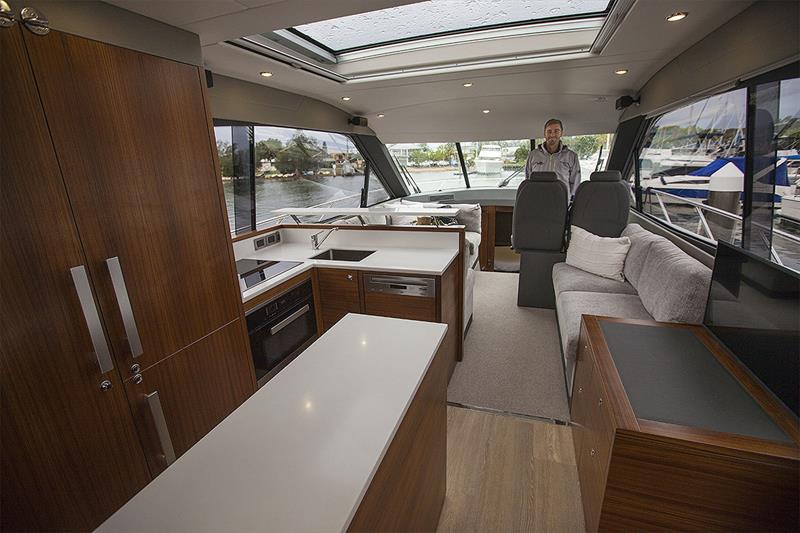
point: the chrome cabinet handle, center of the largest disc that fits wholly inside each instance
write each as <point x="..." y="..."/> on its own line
<point x="154" y="403"/>
<point x="289" y="319"/>
<point x="92" y="317"/>
<point x="35" y="21"/>
<point x="350" y="277"/>
<point x="124" y="303"/>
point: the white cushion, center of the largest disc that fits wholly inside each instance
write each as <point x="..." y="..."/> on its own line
<point x="604" y="256"/>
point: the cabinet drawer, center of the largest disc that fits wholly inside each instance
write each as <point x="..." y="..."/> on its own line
<point x="339" y="291"/>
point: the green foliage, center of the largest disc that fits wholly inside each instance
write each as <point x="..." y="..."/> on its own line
<point x="225" y="153"/>
<point x="584" y="145"/>
<point x="268" y="149"/>
<point x="301" y="154"/>
<point x="521" y="154"/>
<point x="418" y="155"/>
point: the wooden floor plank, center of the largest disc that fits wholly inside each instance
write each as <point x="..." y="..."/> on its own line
<point x="506" y="473"/>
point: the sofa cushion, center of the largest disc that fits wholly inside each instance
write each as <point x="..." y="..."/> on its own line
<point x="472" y="243"/>
<point x="673" y="286"/>
<point x="604" y="256"/>
<point x="572" y="304"/>
<point x="569" y="278"/>
<point x="641" y="239"/>
<point x="469" y="216"/>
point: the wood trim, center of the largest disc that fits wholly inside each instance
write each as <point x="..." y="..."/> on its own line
<point x="220" y="189"/>
<point x="773" y="407"/>
<point x="352" y="227"/>
<point x="661" y="483"/>
<point x="741" y="443"/>
<point x="278" y="289"/>
<point x="408" y="490"/>
<point x="487" y="237"/>
<point x="460" y="275"/>
<point x="317" y="299"/>
<point x="621" y="408"/>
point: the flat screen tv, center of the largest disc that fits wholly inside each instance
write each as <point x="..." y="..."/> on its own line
<point x="754" y="310"/>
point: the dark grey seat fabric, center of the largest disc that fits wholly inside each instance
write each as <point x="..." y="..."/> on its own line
<point x="601" y="204"/>
<point x="540" y="213"/>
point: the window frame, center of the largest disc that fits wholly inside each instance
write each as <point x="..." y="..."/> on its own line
<point x="371" y="169"/>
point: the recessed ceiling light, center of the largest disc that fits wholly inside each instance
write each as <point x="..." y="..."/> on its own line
<point x="678" y="15"/>
<point x="381" y="115"/>
<point x="621" y="71"/>
<point x="486" y="111"/>
<point x="468" y="84"/>
<point x="346" y="98"/>
<point x="266" y="74"/>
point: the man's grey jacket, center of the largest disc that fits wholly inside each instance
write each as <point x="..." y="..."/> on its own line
<point x="564" y="163"/>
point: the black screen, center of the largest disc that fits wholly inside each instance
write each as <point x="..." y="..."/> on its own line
<point x="754" y="309"/>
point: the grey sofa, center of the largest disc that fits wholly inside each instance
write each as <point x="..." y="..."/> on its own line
<point x="661" y="283"/>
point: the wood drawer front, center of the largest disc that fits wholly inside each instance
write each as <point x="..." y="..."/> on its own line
<point x="339" y="294"/>
<point x="400" y="306"/>
<point x="197" y="387"/>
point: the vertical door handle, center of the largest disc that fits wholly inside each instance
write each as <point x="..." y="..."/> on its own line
<point x="92" y="317"/>
<point x="124" y="303"/>
<point x="154" y="403"/>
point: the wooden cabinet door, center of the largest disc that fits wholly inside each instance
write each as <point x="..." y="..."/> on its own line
<point x="197" y="387"/>
<point x="135" y="148"/>
<point x="70" y="452"/>
<point x="339" y="294"/>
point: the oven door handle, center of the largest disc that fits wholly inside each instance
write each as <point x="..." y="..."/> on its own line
<point x="289" y="319"/>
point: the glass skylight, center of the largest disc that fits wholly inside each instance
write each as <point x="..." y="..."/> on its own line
<point x="435" y="17"/>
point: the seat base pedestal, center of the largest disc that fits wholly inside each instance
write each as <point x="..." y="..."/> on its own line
<point x="536" y="278"/>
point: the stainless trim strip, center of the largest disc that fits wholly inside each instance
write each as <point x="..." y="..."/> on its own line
<point x="154" y="403"/>
<point x="82" y="287"/>
<point x="408" y="286"/>
<point x="124" y="303"/>
<point x="289" y="319"/>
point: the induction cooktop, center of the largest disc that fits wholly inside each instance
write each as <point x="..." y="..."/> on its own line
<point x="254" y="271"/>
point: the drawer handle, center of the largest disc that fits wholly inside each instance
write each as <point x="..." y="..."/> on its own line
<point x="154" y="403"/>
<point x="350" y="277"/>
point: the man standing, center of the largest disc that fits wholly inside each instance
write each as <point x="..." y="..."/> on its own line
<point x="551" y="155"/>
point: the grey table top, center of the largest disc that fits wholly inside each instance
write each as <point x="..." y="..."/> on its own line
<point x="670" y="376"/>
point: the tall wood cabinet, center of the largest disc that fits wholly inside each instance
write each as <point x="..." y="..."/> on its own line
<point x="123" y="341"/>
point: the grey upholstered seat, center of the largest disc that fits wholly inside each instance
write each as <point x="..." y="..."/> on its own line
<point x="540" y="213"/>
<point x="538" y="227"/>
<point x="601" y="204"/>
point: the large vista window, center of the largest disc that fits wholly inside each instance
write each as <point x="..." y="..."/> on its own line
<point x="726" y="168"/>
<point x="265" y="168"/>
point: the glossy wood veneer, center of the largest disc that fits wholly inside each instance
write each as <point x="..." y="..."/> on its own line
<point x="408" y="489"/>
<point x="639" y="474"/>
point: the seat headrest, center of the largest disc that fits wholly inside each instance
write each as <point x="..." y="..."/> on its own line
<point x="606" y="175"/>
<point x="543" y="176"/>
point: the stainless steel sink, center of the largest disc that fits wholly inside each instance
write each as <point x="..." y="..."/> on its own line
<point x="343" y="255"/>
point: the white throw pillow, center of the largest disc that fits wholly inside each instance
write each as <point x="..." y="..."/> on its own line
<point x="604" y="256"/>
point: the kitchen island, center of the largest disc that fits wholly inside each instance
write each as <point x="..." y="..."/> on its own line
<point x="349" y="436"/>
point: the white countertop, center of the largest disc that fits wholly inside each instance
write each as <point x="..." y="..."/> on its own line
<point x="402" y="259"/>
<point x="301" y="452"/>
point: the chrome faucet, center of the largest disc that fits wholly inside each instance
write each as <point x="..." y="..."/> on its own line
<point x="316" y="242"/>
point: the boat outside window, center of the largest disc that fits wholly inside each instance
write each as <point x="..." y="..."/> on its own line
<point x="693" y="164"/>
<point x="290" y="168"/>
<point x="428" y="167"/>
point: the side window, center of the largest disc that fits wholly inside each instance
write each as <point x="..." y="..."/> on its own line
<point x="691" y="167"/>
<point x="273" y="167"/>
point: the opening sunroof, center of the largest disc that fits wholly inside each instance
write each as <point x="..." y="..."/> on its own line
<point x="440" y="17"/>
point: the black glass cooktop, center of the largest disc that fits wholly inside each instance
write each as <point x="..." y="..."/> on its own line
<point x="254" y="271"/>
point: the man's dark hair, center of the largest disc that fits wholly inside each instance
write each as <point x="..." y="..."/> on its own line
<point x="553" y="121"/>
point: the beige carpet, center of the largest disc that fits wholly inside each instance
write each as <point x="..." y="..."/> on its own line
<point x="512" y="355"/>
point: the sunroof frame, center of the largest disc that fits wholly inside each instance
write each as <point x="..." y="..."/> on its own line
<point x="503" y="25"/>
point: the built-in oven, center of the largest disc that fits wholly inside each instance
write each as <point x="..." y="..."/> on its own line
<point x="281" y="329"/>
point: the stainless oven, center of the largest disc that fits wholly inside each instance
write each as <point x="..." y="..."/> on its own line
<point x="280" y="329"/>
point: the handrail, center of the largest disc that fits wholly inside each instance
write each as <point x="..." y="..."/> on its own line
<point x="719" y="211"/>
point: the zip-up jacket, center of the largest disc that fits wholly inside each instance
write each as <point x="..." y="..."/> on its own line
<point x="564" y="163"/>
